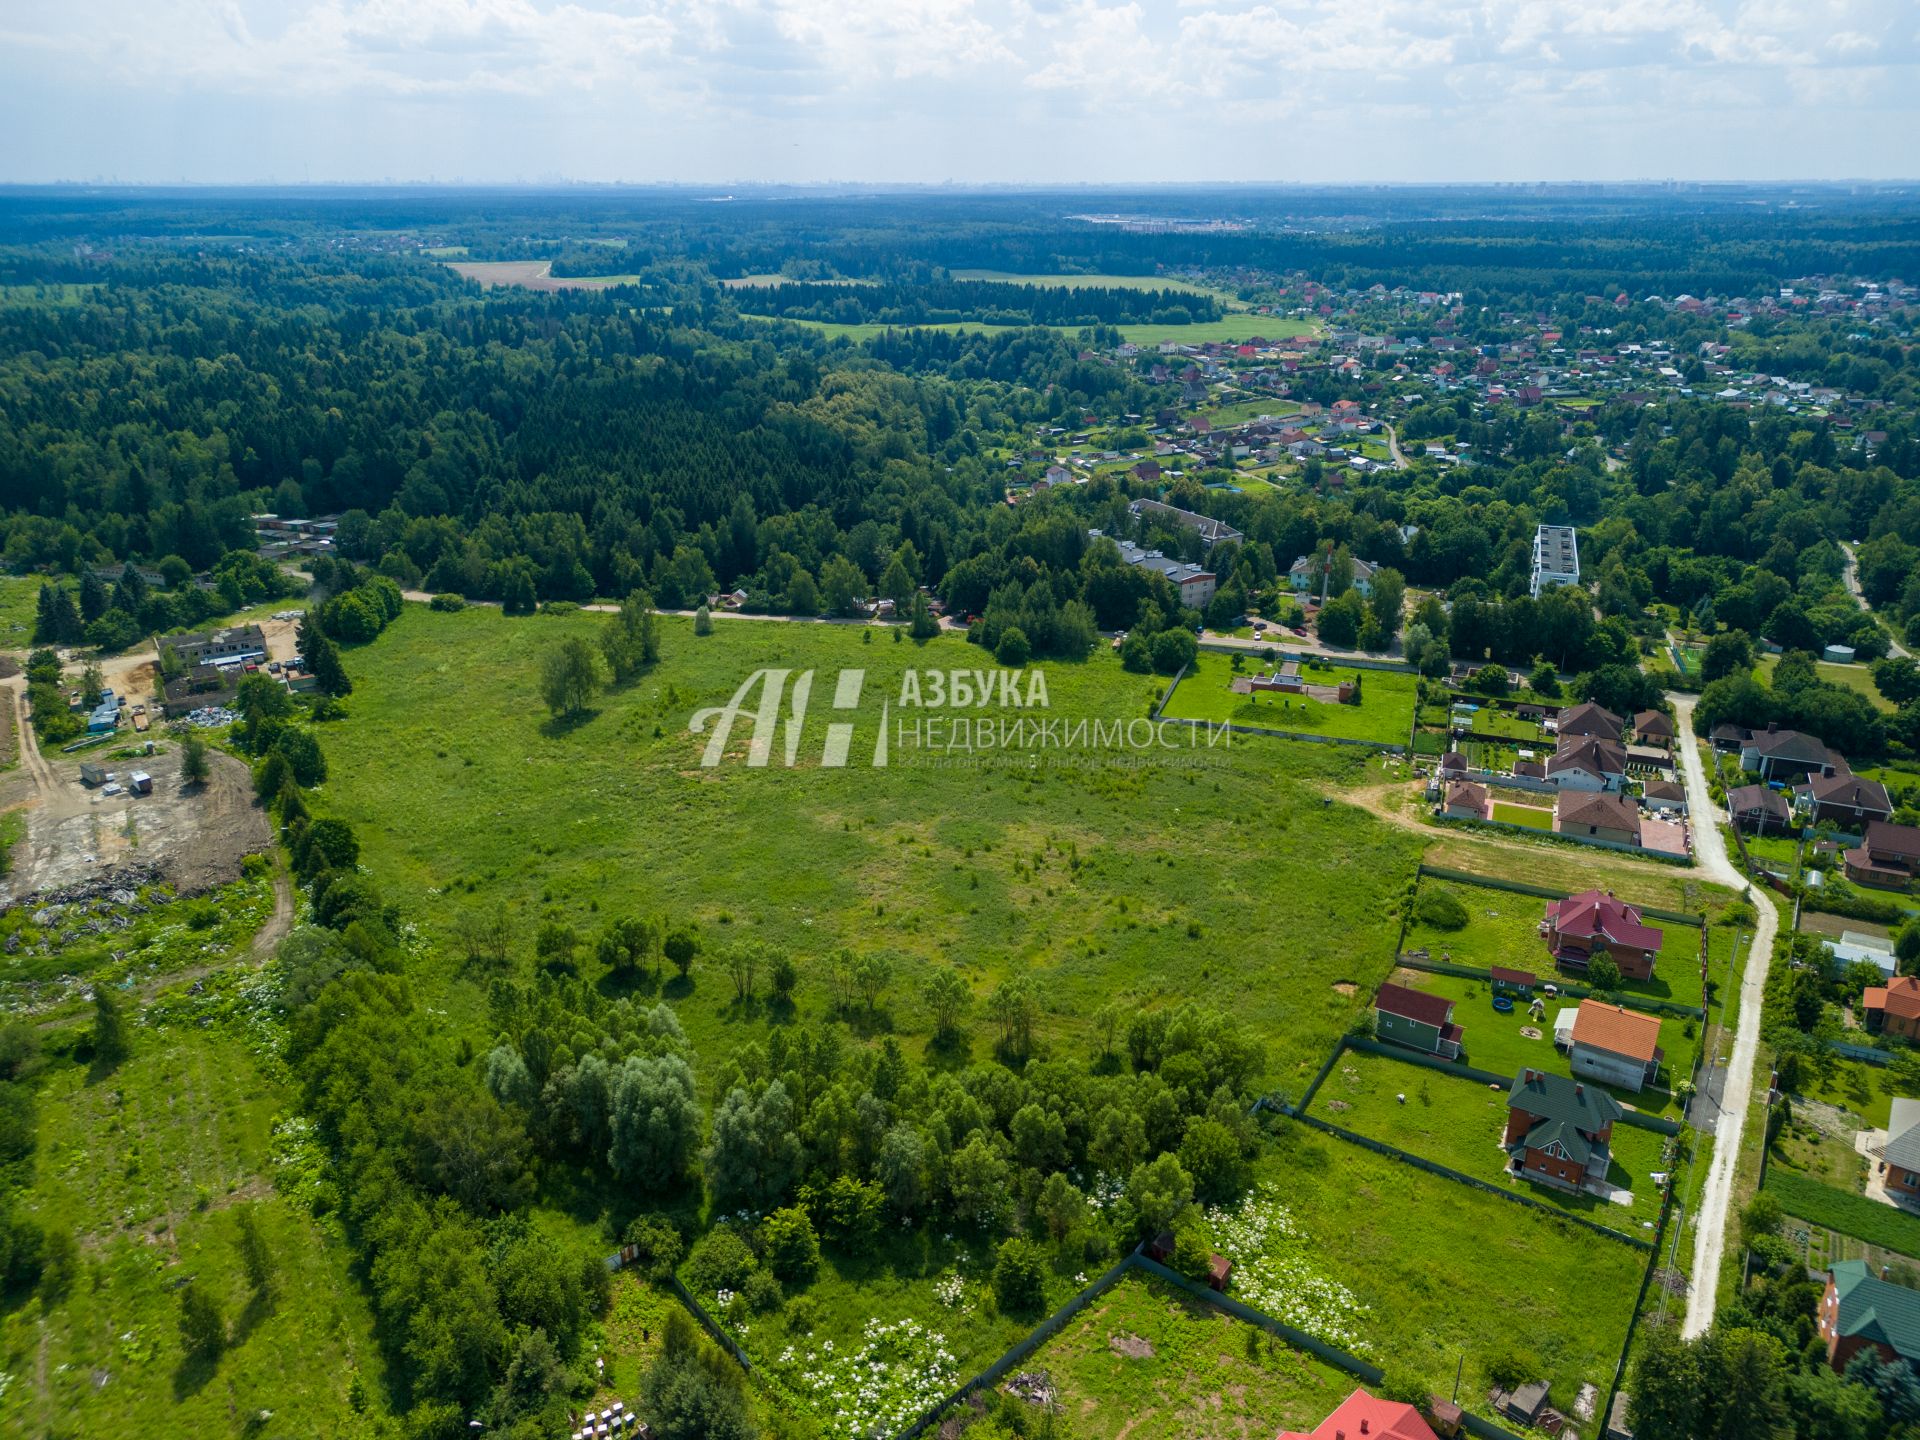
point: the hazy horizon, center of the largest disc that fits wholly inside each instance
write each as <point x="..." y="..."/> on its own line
<point x="1034" y="93"/>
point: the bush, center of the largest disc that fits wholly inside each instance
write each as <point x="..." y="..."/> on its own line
<point x="447" y="602"/>
<point x="721" y="1261"/>
<point x="1436" y="906"/>
<point x="762" y="1292"/>
<point x="1019" y="1280"/>
<point x="793" y="1250"/>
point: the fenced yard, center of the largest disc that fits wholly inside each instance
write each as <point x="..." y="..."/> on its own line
<point x="1531" y="816"/>
<point x="1383" y="715"/>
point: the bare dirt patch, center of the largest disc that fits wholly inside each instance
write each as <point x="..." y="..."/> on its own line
<point x="197" y="837"/>
<point x="1345" y="987"/>
<point x="1131" y="1346"/>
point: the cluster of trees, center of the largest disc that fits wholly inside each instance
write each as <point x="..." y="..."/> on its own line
<point x="989" y="302"/>
<point x="115" y="616"/>
<point x="1799" y="699"/>
<point x="574" y="670"/>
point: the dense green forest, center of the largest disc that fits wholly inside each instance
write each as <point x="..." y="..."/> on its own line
<point x="934" y="302"/>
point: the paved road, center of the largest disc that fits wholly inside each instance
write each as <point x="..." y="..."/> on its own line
<point x="1852" y="576"/>
<point x="1393" y="449"/>
<point x="1736" y="1092"/>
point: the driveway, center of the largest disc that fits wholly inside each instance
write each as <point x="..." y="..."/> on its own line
<point x="1735" y="1087"/>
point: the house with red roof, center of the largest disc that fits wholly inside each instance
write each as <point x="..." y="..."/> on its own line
<point x="1362" y="1415"/>
<point x="1594" y="923"/>
<point x="1894" y="1008"/>
<point x="1417" y="1020"/>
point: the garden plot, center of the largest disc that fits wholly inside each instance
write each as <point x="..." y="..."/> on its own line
<point x="1459" y="1123"/>
<point x="1150" y="1362"/>
<point x="1443" y="1272"/>
<point x="1383" y="713"/>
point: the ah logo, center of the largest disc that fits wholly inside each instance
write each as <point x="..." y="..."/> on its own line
<point x="767" y="721"/>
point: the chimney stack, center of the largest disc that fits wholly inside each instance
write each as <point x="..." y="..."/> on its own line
<point x="1578" y="1088"/>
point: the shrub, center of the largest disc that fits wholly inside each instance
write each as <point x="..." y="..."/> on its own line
<point x="1440" y="908"/>
<point x="447" y="602"/>
<point x="793" y="1250"/>
<point x="762" y="1292"/>
<point x="721" y="1261"/>
<point x="1019" y="1281"/>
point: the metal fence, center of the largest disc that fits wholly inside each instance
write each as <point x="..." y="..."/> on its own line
<point x="1578" y="992"/>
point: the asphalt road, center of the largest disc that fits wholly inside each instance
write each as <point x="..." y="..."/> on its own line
<point x="1736" y="1085"/>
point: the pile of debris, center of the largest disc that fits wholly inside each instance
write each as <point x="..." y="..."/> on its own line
<point x="95" y="906"/>
<point x="211" y="717"/>
<point x="1035" y="1387"/>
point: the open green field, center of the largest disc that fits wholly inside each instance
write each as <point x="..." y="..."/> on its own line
<point x="56" y="293"/>
<point x="1449" y="1273"/>
<point x="1842" y="1210"/>
<point x="1238" y="412"/>
<point x="1531" y="816"/>
<point x="1854" y="677"/>
<point x="1501" y="725"/>
<point x="1867" y="1090"/>
<point x="1459" y="1123"/>
<point x="147" y="1167"/>
<point x="1148" y="1361"/>
<point x="1384" y="714"/>
<point x="1087" y="877"/>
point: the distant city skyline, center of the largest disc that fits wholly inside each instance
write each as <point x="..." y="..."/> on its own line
<point x="1026" y="92"/>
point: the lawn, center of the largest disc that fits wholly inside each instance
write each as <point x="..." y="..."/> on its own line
<point x="147" y="1167"/>
<point x="19" y="605"/>
<point x="1459" y="1123"/>
<point x="1854" y="677"/>
<point x="1084" y="875"/>
<point x="1503" y="928"/>
<point x="1867" y="1090"/>
<point x="1148" y="1361"/>
<point x="1844" y="1211"/>
<point x="1499" y="725"/>
<point x="1447" y="1273"/>
<point x="1238" y="412"/>
<point x="1498" y="1043"/>
<point x="1531" y="816"/>
<point x="1384" y="714"/>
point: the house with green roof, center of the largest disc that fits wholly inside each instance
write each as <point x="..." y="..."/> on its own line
<point x="1560" y="1130"/>
<point x="1861" y="1311"/>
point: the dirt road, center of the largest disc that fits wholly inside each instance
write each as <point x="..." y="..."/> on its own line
<point x="1852" y="576"/>
<point x="1716" y="1200"/>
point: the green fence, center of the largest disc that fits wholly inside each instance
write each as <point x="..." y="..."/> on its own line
<point x="1578" y="992"/>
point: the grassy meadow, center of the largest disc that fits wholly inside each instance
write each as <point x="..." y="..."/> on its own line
<point x="1448" y="1272"/>
<point x="1146" y="878"/>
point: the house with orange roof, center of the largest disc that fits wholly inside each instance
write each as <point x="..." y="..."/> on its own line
<point x="1363" y="1417"/>
<point x="1616" y="1046"/>
<point x="1894" y="1008"/>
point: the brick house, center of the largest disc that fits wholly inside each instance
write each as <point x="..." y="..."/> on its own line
<point x="1586" y="816"/>
<point x="1894" y="1008"/>
<point x="1845" y="800"/>
<point x="1559" y="1130"/>
<point x="1653" y="727"/>
<point x="1888" y="858"/>
<point x="1416" y="1020"/>
<point x="1860" y="1311"/>
<point x="1361" y="1415"/>
<point x="1588" y="762"/>
<point x="1615" y="1046"/>
<point x="1595" y="923"/>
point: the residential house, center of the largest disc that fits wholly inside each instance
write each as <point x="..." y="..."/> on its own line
<point x="1900" y="1159"/>
<point x="233" y="645"/>
<point x="1210" y="530"/>
<point x="1758" y="809"/>
<point x="1584" y="816"/>
<point x="1894" y="1008"/>
<point x="1787" y="754"/>
<point x="1362" y="1417"/>
<point x="1653" y="727"/>
<point x="1587" y="762"/>
<point x="1588" y="718"/>
<point x="1595" y="922"/>
<point x="1417" y="1020"/>
<point x="1861" y="1311"/>
<point x="1465" y="801"/>
<point x="1616" y="1046"/>
<point x="1664" y="795"/>
<point x="1304" y="575"/>
<point x="1559" y="1130"/>
<point x="1887" y="858"/>
<point x="1848" y="800"/>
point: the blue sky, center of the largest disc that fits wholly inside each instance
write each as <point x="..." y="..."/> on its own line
<point x="1022" y="91"/>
